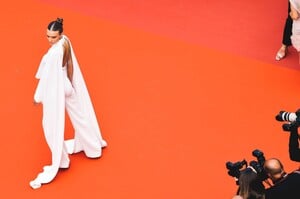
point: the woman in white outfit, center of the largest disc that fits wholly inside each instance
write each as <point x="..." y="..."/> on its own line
<point x="62" y="87"/>
<point x="295" y="10"/>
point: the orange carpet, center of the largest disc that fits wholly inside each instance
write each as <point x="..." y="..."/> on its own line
<point x="172" y="111"/>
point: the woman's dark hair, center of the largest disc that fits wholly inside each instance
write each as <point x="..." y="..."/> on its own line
<point x="56" y="25"/>
<point x="250" y="187"/>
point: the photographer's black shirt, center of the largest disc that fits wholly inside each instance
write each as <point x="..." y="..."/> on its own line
<point x="294" y="150"/>
<point x="287" y="188"/>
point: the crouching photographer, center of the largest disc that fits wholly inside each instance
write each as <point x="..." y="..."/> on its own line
<point x="249" y="178"/>
<point x="292" y="124"/>
<point x="285" y="185"/>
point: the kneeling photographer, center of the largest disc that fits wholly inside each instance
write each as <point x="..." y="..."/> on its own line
<point x="285" y="185"/>
<point x="292" y="125"/>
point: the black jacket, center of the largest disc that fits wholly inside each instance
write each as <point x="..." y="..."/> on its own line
<point x="294" y="150"/>
<point x="287" y="188"/>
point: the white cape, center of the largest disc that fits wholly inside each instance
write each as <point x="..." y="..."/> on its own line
<point x="56" y="94"/>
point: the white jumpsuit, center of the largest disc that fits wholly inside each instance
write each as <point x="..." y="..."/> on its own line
<point x="57" y="94"/>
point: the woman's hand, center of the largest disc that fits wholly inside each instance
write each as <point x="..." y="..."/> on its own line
<point x="294" y="14"/>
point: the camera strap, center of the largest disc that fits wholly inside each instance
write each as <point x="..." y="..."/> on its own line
<point x="250" y="167"/>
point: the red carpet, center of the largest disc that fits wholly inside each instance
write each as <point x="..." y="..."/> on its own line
<point x="174" y="106"/>
<point x="245" y="29"/>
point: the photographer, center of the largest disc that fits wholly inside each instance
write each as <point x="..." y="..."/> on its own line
<point x="285" y="186"/>
<point x="294" y="150"/>
<point x="250" y="178"/>
<point x="250" y="186"/>
<point x="292" y="126"/>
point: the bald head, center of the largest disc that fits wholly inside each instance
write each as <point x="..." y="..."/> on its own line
<point x="274" y="168"/>
<point x="273" y="164"/>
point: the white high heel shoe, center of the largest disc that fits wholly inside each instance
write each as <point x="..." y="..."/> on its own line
<point x="281" y="54"/>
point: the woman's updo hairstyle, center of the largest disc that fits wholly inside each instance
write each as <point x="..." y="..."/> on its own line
<point x="56" y="25"/>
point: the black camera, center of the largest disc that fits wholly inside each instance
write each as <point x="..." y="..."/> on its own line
<point x="259" y="164"/>
<point x="293" y="119"/>
<point x="235" y="169"/>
